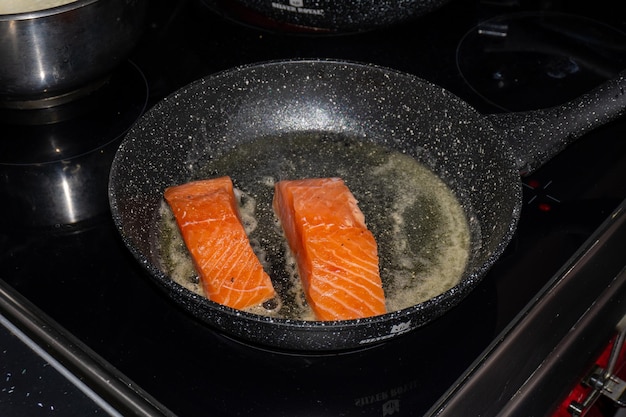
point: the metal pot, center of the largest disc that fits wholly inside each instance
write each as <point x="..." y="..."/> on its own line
<point x="179" y="138"/>
<point x="49" y="56"/>
<point x="344" y="16"/>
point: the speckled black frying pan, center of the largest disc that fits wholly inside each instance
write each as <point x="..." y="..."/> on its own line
<point x="331" y="15"/>
<point x="478" y="157"/>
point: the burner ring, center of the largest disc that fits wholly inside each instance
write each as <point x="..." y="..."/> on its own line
<point x="533" y="60"/>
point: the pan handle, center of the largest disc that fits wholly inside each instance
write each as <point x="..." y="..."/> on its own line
<point x="537" y="136"/>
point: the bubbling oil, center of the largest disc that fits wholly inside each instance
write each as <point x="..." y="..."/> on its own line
<point x="421" y="229"/>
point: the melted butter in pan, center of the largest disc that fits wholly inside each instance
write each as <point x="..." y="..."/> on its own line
<point x="421" y="229"/>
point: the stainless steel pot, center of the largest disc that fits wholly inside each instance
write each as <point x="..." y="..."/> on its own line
<point x="49" y="55"/>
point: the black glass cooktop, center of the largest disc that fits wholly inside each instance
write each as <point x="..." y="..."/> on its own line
<point x="83" y="277"/>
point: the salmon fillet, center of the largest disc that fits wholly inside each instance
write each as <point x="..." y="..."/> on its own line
<point x="336" y="254"/>
<point x="207" y="215"/>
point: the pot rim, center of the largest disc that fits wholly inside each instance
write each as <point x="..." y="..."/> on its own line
<point x="44" y="13"/>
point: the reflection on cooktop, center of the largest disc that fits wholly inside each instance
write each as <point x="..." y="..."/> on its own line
<point x="527" y="61"/>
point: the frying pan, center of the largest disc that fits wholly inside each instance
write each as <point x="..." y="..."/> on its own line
<point x="478" y="157"/>
<point x="329" y="16"/>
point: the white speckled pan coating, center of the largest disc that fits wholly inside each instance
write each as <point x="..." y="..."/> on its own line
<point x="339" y="16"/>
<point x="171" y="141"/>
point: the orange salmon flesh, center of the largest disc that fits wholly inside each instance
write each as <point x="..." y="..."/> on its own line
<point x="207" y="216"/>
<point x="337" y="255"/>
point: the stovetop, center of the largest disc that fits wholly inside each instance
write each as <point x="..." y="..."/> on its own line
<point x="82" y="276"/>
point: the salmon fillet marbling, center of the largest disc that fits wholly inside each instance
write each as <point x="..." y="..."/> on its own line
<point x="207" y="215"/>
<point x="337" y="255"/>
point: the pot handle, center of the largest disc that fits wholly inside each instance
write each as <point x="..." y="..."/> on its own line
<point x="537" y="136"/>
